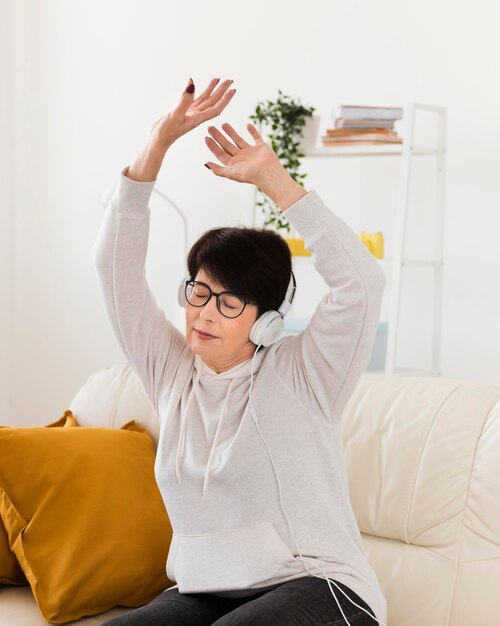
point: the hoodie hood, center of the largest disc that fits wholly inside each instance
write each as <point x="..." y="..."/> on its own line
<point x="209" y="376"/>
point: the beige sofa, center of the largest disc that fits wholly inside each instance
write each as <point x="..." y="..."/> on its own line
<point x="423" y="462"/>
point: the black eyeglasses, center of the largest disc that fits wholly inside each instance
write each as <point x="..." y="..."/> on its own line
<point x="229" y="304"/>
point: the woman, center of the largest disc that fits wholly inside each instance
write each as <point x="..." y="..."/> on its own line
<point x="251" y="473"/>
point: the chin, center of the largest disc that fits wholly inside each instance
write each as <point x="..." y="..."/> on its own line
<point x="198" y="345"/>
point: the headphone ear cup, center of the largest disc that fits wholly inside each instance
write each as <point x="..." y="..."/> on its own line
<point x="267" y="329"/>
<point x="181" y="294"/>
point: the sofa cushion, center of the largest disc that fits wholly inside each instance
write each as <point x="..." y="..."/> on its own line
<point x="10" y="570"/>
<point x="84" y="517"/>
<point x="18" y="607"/>
<point x="423" y="470"/>
<point x="112" y="396"/>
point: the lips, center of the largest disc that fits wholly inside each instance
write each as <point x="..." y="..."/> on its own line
<point x="204" y="333"/>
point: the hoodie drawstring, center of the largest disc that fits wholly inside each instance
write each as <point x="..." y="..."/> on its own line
<point x="207" y="470"/>
<point x="180" y="441"/>
<point x="182" y="433"/>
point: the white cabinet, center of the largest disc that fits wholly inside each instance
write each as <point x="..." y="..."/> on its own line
<point x="399" y="263"/>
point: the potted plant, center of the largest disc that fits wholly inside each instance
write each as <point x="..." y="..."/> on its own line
<point x="286" y="118"/>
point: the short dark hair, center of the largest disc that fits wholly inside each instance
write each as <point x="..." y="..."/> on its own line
<point x="255" y="263"/>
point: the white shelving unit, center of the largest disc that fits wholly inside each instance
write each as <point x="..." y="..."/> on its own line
<point x="408" y="151"/>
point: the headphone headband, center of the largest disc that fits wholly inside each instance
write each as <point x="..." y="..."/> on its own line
<point x="286" y="305"/>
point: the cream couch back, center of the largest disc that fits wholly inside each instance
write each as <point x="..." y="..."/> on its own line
<point x="423" y="464"/>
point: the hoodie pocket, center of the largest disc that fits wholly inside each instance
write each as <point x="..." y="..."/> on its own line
<point x="244" y="558"/>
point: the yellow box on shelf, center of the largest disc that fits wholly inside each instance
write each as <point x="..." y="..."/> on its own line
<point x="374" y="242"/>
<point x="297" y="247"/>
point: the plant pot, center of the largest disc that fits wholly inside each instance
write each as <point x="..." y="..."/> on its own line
<point x="310" y="133"/>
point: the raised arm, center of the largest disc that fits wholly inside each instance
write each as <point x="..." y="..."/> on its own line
<point x="151" y="344"/>
<point x="322" y="365"/>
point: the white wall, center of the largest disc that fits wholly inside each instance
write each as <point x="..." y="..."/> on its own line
<point x="7" y="208"/>
<point x="92" y="77"/>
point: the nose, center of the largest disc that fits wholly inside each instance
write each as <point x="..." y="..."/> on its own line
<point x="209" y="310"/>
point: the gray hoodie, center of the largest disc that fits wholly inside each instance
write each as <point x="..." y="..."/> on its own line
<point x="224" y="473"/>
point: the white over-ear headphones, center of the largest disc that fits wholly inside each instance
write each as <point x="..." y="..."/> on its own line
<point x="268" y="327"/>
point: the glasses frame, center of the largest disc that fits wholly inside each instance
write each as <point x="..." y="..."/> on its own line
<point x="217" y="296"/>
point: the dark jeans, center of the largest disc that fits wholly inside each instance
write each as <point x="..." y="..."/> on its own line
<point x="305" y="601"/>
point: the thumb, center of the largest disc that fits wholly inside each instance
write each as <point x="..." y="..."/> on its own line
<point x="187" y="97"/>
<point x="216" y="169"/>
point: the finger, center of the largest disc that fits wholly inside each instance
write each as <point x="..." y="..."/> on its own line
<point x="216" y="96"/>
<point x="229" y="147"/>
<point x="186" y="98"/>
<point x="239" y="141"/>
<point x="216" y="109"/>
<point x="221" y="154"/>
<point x="216" y="169"/>
<point x="255" y="133"/>
<point x="206" y="94"/>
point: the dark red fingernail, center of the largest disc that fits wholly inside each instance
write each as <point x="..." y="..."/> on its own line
<point x="207" y="166"/>
<point x="190" y="88"/>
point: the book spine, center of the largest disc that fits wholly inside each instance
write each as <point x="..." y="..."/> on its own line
<point x="342" y="122"/>
<point x="335" y="141"/>
<point x="383" y="113"/>
<point x="363" y="131"/>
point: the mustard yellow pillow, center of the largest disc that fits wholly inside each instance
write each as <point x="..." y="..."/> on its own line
<point x="85" y="517"/>
<point x="10" y="570"/>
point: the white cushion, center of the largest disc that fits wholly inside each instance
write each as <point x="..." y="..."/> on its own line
<point x="113" y="396"/>
<point x="423" y="465"/>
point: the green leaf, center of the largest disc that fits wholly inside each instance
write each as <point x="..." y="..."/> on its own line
<point x="286" y="117"/>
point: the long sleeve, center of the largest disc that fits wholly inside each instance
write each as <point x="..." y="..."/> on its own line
<point x="150" y="342"/>
<point x="323" y="364"/>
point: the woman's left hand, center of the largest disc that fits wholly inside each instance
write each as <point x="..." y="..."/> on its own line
<point x="256" y="163"/>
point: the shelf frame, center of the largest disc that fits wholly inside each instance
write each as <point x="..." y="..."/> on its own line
<point x="401" y="229"/>
<point x="369" y="150"/>
<point x="406" y="150"/>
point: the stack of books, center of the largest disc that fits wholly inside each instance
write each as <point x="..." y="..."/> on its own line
<point x="363" y="125"/>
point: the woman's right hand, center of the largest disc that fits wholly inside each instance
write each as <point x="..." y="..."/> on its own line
<point x="191" y="112"/>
